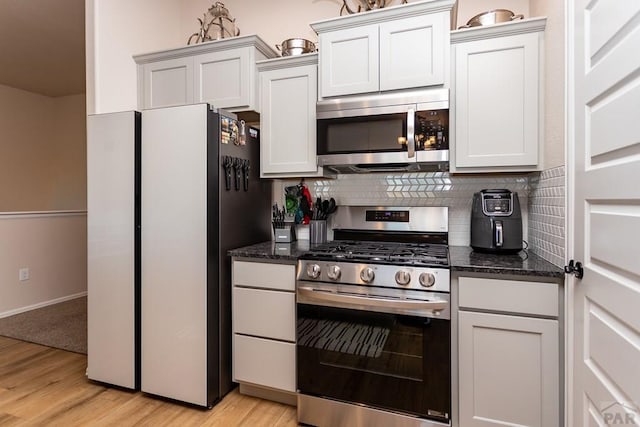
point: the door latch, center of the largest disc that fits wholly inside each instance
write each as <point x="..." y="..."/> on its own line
<point x="575" y="269"/>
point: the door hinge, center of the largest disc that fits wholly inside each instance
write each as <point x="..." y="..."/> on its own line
<point x="575" y="269"/>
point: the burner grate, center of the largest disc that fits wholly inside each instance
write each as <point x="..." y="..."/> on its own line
<point x="417" y="254"/>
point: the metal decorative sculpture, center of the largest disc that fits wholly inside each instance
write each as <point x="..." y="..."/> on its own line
<point x="365" y="6"/>
<point x="215" y="24"/>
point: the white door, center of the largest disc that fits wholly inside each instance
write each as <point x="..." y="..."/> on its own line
<point x="604" y="185"/>
<point x="111" y="263"/>
<point x="174" y="253"/>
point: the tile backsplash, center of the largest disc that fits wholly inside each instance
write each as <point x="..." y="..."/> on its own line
<point x="541" y="200"/>
<point x="419" y="189"/>
<point x="547" y="215"/>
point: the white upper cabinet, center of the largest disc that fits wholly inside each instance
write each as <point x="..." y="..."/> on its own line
<point x="222" y="73"/>
<point x="349" y="61"/>
<point x="400" y="47"/>
<point x="225" y="78"/>
<point x="166" y="83"/>
<point x="288" y="93"/>
<point x="413" y="51"/>
<point x="497" y="97"/>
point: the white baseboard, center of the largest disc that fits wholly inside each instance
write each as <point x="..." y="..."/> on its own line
<point x="42" y="304"/>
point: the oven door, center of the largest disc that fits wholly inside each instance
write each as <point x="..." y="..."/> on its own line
<point x="382" y="358"/>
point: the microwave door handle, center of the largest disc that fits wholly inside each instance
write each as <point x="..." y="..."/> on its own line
<point x="411" y="133"/>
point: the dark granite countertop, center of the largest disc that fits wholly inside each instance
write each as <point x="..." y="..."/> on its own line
<point x="463" y="258"/>
<point x="283" y="252"/>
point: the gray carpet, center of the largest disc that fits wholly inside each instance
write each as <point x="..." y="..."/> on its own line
<point x="62" y="325"/>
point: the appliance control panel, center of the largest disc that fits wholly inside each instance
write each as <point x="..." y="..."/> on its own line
<point x="497" y="203"/>
<point x="381" y="275"/>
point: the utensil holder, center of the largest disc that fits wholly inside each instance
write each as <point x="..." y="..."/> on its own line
<point x="317" y="231"/>
<point x="286" y="234"/>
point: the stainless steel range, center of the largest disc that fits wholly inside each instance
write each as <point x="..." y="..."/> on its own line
<point x="373" y="328"/>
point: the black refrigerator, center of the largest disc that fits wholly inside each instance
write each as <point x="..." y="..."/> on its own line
<point x="201" y="196"/>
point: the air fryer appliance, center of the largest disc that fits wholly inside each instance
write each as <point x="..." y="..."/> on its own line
<point x="496" y="222"/>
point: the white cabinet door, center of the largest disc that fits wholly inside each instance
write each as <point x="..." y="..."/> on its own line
<point x="264" y="325"/>
<point x="263" y="275"/>
<point x="508" y="370"/>
<point x="262" y="313"/>
<point x="497" y="102"/>
<point x="221" y="72"/>
<point x="168" y="83"/>
<point x="264" y="362"/>
<point x="349" y="61"/>
<point x="288" y="121"/>
<point x="222" y="78"/>
<point x="412" y="52"/>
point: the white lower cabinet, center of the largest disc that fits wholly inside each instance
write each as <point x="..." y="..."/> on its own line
<point x="264" y="362"/>
<point x="508" y="360"/>
<point x="264" y="320"/>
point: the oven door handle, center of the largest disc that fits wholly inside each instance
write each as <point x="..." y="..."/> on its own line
<point x="310" y="295"/>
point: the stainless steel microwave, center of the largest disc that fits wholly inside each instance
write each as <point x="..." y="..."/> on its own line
<point x="382" y="133"/>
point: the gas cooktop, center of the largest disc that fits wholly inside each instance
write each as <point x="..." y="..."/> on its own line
<point x="393" y="253"/>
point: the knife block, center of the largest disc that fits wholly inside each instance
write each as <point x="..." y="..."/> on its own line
<point x="286" y="234"/>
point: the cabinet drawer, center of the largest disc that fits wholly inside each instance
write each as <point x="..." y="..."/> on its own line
<point x="262" y="275"/>
<point x="269" y="314"/>
<point x="513" y="296"/>
<point x="264" y="362"/>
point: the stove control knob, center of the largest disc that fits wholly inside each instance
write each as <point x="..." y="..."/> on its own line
<point x="313" y="271"/>
<point x="334" y="272"/>
<point x="367" y="275"/>
<point x="403" y="277"/>
<point x="427" y="279"/>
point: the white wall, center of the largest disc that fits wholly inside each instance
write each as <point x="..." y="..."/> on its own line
<point x="274" y="21"/>
<point x="42" y="168"/>
<point x="116" y="30"/>
<point x="554" y="71"/>
<point x="42" y="160"/>
<point x="53" y="247"/>
<point x="68" y="176"/>
<point x="25" y="130"/>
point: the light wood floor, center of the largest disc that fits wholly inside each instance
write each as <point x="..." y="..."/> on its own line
<point x="42" y="386"/>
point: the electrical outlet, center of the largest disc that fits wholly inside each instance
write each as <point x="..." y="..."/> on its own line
<point x="23" y="274"/>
